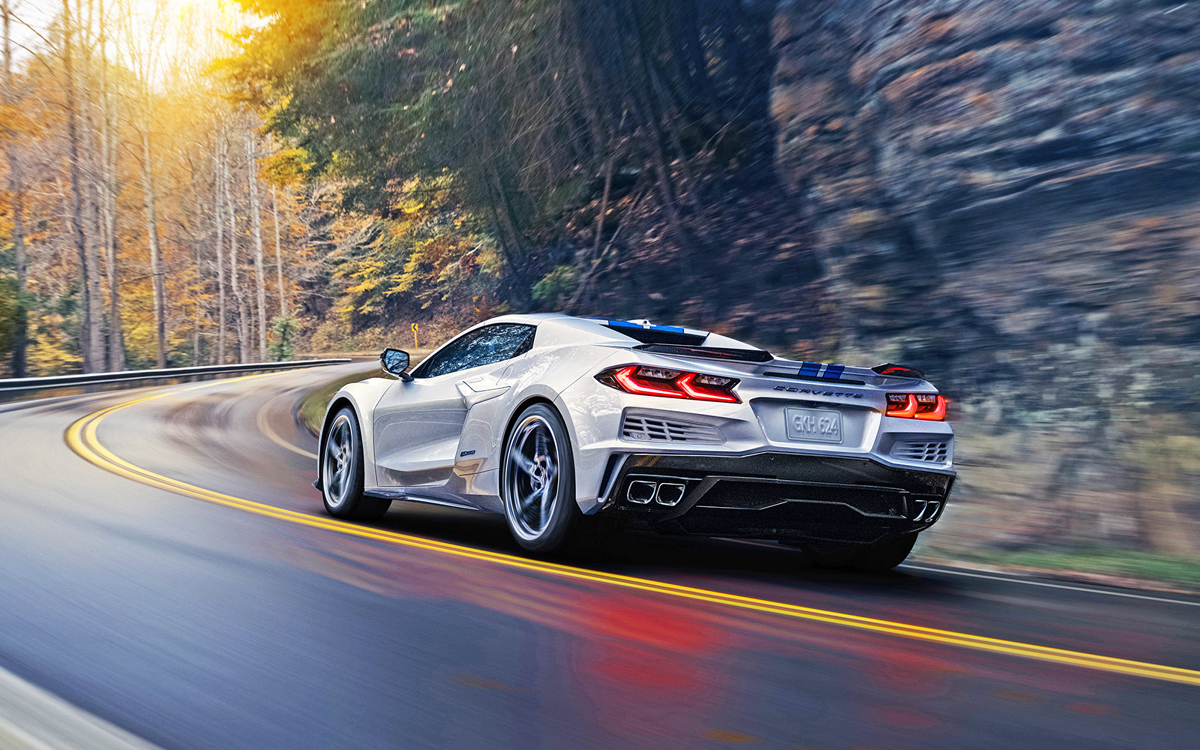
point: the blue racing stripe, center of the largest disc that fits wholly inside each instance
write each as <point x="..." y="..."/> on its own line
<point x="627" y="324"/>
<point x="834" y="371"/>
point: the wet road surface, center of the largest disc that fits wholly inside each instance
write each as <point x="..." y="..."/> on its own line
<point x="199" y="625"/>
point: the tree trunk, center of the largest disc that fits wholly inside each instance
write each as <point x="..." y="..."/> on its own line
<point x="278" y="254"/>
<point x="196" y="324"/>
<point x="91" y="171"/>
<point x="219" y="218"/>
<point x="108" y="207"/>
<point x="88" y="338"/>
<point x="504" y="213"/>
<point x="608" y="172"/>
<point x="156" y="269"/>
<point x="260" y="285"/>
<point x="242" y="314"/>
<point x="16" y="191"/>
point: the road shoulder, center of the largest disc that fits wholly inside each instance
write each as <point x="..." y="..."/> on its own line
<point x="34" y="719"/>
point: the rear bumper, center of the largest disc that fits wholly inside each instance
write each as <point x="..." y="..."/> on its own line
<point x="780" y="496"/>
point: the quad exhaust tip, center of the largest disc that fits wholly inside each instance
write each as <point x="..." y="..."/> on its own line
<point x="643" y="492"/>
<point x="669" y="494"/>
<point x="927" y="511"/>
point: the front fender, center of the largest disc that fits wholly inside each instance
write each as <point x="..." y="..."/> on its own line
<point x="362" y="397"/>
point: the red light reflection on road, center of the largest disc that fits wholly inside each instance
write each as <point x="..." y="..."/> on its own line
<point x="649" y="666"/>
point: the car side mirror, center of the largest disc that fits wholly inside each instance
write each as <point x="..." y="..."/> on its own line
<point x="395" y="361"/>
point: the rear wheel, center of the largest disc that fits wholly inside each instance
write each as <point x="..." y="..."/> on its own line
<point x="876" y="557"/>
<point x="537" y="482"/>
<point x="342" y="472"/>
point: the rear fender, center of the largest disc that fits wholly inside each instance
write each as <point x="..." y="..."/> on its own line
<point x="541" y="375"/>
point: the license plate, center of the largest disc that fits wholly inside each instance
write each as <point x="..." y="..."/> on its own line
<point x="809" y="425"/>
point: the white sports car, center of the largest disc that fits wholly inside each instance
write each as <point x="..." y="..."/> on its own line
<point x="568" y="425"/>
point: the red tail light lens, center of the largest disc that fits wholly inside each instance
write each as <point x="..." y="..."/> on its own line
<point x="658" y="381"/>
<point x="901" y="405"/>
<point x="926" y="406"/>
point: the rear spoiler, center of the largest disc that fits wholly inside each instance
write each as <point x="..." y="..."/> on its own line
<point x="648" y="333"/>
<point x="899" y="371"/>
<point x="709" y="352"/>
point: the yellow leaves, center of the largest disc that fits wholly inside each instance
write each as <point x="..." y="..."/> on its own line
<point x="50" y="351"/>
<point x="366" y="285"/>
<point x="436" y="267"/>
<point x="424" y="255"/>
<point x="8" y="313"/>
<point x="370" y="275"/>
<point x="6" y="218"/>
<point x="286" y="168"/>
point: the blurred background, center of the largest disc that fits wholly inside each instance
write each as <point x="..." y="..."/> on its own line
<point x="1003" y="193"/>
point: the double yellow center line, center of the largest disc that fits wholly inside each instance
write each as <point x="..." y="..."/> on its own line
<point x="82" y="438"/>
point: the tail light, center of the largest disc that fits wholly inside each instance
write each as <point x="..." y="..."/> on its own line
<point x="658" y="381"/>
<point x="926" y="406"/>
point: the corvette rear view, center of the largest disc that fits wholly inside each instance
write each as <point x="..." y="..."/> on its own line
<point x="574" y="427"/>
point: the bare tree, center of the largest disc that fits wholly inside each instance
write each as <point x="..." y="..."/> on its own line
<point x="278" y="254"/>
<point x="156" y="263"/>
<point x="256" y="225"/>
<point x="243" y="315"/>
<point x="16" y="189"/>
<point x="144" y="45"/>
<point x="90" y="149"/>
<point x="218" y="184"/>
<point x="197" y="322"/>
<point x="89" y="338"/>
<point x="108" y="203"/>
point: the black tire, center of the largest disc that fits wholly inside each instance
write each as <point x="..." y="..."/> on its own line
<point x="342" y="472"/>
<point x="876" y="557"/>
<point x="537" y="482"/>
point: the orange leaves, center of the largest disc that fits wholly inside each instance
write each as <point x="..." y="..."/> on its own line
<point x="16" y="120"/>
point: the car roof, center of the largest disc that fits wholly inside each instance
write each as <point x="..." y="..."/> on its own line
<point x="558" y="328"/>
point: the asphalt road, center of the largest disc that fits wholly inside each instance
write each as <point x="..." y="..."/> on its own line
<point x="223" y="609"/>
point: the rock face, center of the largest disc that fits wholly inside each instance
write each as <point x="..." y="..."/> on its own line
<point x="1007" y="194"/>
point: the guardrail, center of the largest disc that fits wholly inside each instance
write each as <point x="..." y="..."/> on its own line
<point x="22" y="385"/>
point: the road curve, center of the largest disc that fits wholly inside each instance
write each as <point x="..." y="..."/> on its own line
<point x="166" y="566"/>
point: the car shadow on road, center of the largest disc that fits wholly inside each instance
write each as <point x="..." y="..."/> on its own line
<point x="651" y="555"/>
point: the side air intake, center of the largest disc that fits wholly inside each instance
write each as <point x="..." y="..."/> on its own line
<point x="926" y="451"/>
<point x="643" y="428"/>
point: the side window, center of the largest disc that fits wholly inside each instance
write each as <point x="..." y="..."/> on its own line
<point x="483" y="346"/>
<point x="447" y="359"/>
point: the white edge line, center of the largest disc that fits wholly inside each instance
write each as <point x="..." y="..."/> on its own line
<point x="1085" y="589"/>
<point x="958" y="572"/>
<point x="266" y="429"/>
<point x="34" y="719"/>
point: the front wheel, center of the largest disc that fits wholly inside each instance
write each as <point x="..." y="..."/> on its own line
<point x="537" y="481"/>
<point x="876" y="557"/>
<point x="342" y="472"/>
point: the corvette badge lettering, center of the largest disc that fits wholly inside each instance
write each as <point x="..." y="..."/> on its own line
<point x="835" y="394"/>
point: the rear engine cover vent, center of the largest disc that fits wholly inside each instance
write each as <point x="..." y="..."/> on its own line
<point x="931" y="451"/>
<point x="644" y="427"/>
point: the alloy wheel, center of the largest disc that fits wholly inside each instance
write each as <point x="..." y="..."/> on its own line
<point x="338" y="467"/>
<point x="531" y="477"/>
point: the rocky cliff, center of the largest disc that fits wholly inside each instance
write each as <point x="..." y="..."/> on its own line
<point x="1007" y="194"/>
